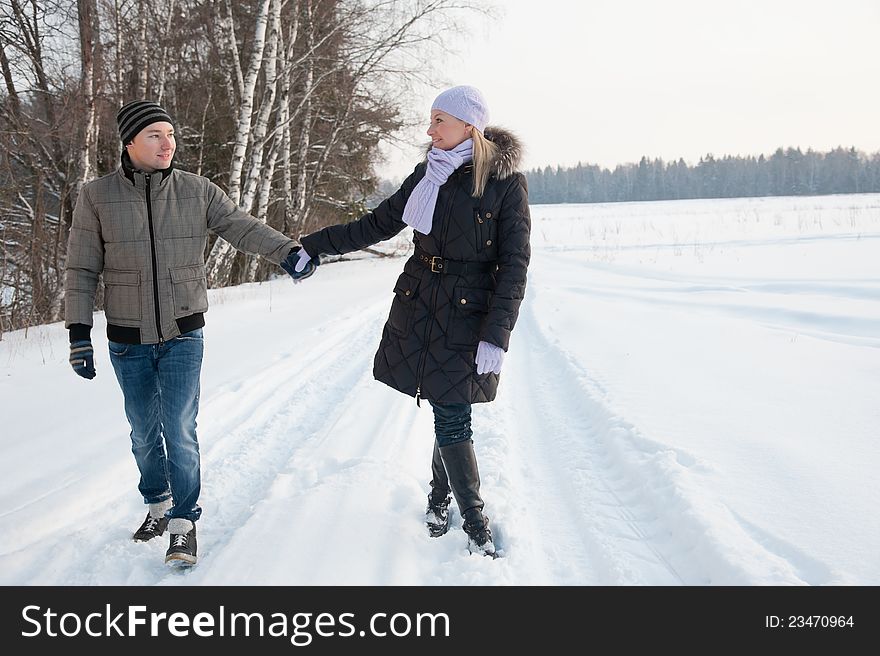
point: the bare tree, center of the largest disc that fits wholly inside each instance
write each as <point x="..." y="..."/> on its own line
<point x="282" y="102"/>
<point x="229" y="59"/>
<point x="222" y="254"/>
<point x="118" y="45"/>
<point x="163" y="59"/>
<point x="284" y="121"/>
<point x="89" y="35"/>
<point x="141" y="48"/>
<point x="246" y="100"/>
<point x="38" y="124"/>
<point x="300" y="192"/>
<point x="257" y="136"/>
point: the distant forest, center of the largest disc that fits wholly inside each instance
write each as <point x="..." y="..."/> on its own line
<point x="787" y="172"/>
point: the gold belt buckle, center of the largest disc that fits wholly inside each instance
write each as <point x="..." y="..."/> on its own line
<point x="436" y="264"/>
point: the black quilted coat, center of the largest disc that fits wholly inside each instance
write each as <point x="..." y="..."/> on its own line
<point x="438" y="317"/>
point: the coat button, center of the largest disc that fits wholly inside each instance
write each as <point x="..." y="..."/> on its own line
<point x="479" y="219"/>
<point x="463" y="301"/>
<point x="488" y="215"/>
<point x="406" y="292"/>
<point x="488" y="242"/>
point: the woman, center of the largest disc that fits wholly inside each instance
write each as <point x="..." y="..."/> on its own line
<point x="457" y="300"/>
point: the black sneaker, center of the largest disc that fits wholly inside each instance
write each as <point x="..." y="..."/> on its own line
<point x="153" y="527"/>
<point x="476" y="525"/>
<point x="437" y="515"/>
<point x="182" y="546"/>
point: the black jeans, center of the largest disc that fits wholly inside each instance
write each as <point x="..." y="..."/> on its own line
<point x="452" y="422"/>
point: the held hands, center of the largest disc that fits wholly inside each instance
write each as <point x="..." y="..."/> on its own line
<point x="82" y="358"/>
<point x="299" y="264"/>
<point x="489" y="358"/>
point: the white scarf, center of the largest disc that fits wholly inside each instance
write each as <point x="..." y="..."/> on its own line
<point x="419" y="210"/>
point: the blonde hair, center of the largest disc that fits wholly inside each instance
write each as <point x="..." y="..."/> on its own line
<point x="485" y="154"/>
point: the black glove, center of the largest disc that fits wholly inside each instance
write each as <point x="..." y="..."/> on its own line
<point x="82" y="358"/>
<point x="299" y="264"/>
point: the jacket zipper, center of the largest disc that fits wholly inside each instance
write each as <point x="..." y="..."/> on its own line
<point x="424" y="357"/>
<point x="155" y="261"/>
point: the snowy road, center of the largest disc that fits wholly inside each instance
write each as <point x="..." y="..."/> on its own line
<point x="668" y="414"/>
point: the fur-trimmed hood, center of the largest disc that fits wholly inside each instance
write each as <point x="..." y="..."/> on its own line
<point x="510" y="151"/>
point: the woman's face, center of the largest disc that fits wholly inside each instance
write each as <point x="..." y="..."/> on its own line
<point x="446" y="131"/>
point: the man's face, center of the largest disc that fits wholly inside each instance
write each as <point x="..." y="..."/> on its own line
<point x="153" y="147"/>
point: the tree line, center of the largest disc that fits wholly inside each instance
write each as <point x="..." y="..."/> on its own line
<point x="788" y="172"/>
<point x="282" y="103"/>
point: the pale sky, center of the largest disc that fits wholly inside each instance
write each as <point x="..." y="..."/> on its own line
<point x="607" y="81"/>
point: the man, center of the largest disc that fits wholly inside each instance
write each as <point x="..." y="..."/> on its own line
<point x="145" y="229"/>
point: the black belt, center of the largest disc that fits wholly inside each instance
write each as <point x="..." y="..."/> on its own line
<point x="438" y="265"/>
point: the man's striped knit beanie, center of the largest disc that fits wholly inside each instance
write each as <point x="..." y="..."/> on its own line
<point x="135" y="116"/>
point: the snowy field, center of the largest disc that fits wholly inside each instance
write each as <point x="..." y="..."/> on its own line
<point x="690" y="397"/>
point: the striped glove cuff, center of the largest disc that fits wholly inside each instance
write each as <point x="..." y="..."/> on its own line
<point x="82" y="358"/>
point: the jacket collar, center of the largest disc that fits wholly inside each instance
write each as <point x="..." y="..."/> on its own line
<point x="136" y="177"/>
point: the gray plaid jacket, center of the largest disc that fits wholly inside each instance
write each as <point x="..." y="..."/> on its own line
<point x="147" y="235"/>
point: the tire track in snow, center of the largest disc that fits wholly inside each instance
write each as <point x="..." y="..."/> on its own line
<point x="305" y="391"/>
<point x="641" y="506"/>
<point x="576" y="513"/>
<point x="343" y="509"/>
<point x="266" y="418"/>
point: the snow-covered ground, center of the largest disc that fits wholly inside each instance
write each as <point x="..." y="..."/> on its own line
<point x="690" y="397"/>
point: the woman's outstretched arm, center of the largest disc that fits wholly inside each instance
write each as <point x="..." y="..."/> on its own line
<point x="378" y="225"/>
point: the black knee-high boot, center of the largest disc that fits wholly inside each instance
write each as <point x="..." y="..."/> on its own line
<point x="464" y="478"/>
<point x="437" y="513"/>
<point x="439" y="479"/>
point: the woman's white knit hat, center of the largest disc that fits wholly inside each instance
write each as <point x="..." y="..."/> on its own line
<point x="465" y="103"/>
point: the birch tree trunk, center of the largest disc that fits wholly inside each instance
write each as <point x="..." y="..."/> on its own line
<point x="258" y="133"/>
<point x="163" y="59"/>
<point x="263" y="205"/>
<point x="259" y="176"/>
<point x="228" y="50"/>
<point x="266" y="183"/>
<point x="300" y="192"/>
<point x="287" y="183"/>
<point x="284" y="119"/>
<point x="88" y="35"/>
<point x="219" y="265"/>
<point x="246" y="105"/>
<point x="201" y="161"/>
<point x="143" y="52"/>
<point x="117" y="66"/>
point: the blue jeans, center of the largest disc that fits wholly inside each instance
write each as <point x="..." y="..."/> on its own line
<point x="160" y="384"/>
<point x="452" y="422"/>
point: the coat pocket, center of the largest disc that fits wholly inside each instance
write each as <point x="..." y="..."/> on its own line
<point x="122" y="297"/>
<point x="486" y="230"/>
<point x="470" y="306"/>
<point x="189" y="290"/>
<point x="400" y="320"/>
